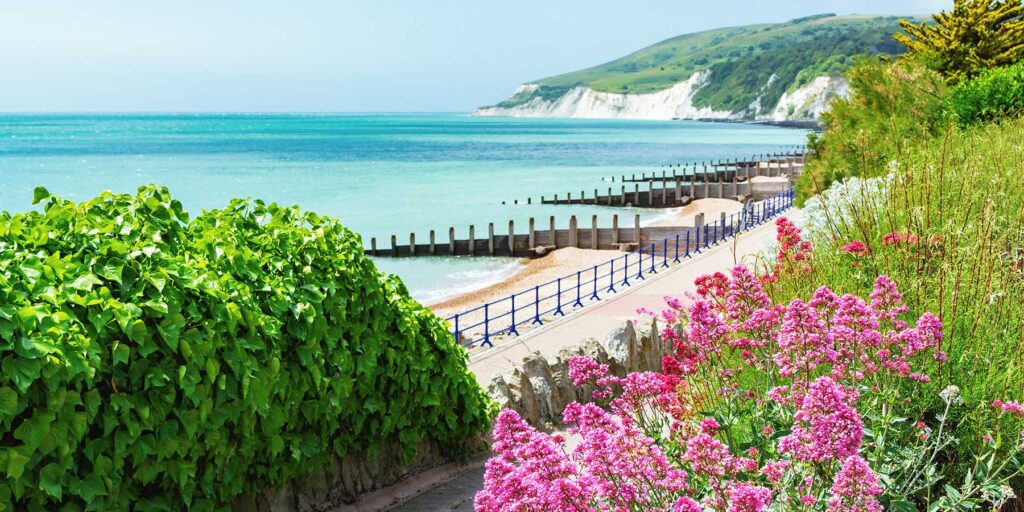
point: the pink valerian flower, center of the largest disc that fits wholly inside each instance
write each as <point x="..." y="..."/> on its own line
<point x="707" y="455"/>
<point x="803" y="341"/>
<point x="826" y="425"/>
<point x="794" y="252"/>
<point x="855" y="488"/>
<point x="745" y="295"/>
<point x="1010" y="407"/>
<point x="899" y="238"/>
<point x="775" y="470"/>
<point x="809" y="500"/>
<point x="674" y="303"/>
<point x="687" y="504"/>
<point x="709" y="426"/>
<point x="585" y="370"/>
<point x="856" y="248"/>
<point x="620" y="464"/>
<point x="712" y="287"/>
<point x="748" y="498"/>
<point x="528" y="472"/>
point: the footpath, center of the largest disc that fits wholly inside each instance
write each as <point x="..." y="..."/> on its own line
<point x="456" y="492"/>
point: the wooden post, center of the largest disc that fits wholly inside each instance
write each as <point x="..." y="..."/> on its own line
<point x="698" y="220"/>
<point x="609" y="196"/>
<point x="554" y="234"/>
<point x="622" y="199"/>
<point x="451" y="241"/>
<point x="412" y="244"/>
<point x="533" y="234"/>
<point x="433" y="250"/>
<point x="512" y="239"/>
<point x="472" y="241"/>
<point x="593" y="232"/>
<point x="556" y="198"/>
<point x="636" y="194"/>
<point x="595" y="196"/>
<point x="490" y="238"/>
<point x="679" y="190"/>
<point x="664" y="192"/>
<point x="615" y="229"/>
<point x="529" y="200"/>
<point x="636" y="230"/>
<point x="373" y="246"/>
<point x="574" y="240"/>
<point x="394" y="246"/>
<point x="650" y="193"/>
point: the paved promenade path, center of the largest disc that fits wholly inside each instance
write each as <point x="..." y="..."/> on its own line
<point x="595" y="321"/>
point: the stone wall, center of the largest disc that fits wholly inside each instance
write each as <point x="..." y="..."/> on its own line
<point x="347" y="478"/>
<point x="540" y="388"/>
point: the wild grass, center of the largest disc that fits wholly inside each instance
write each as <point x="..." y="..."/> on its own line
<point x="960" y="195"/>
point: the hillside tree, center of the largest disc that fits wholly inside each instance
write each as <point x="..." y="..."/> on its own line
<point x="975" y="35"/>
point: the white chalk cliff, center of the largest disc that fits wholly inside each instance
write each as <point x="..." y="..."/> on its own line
<point x="676" y="102"/>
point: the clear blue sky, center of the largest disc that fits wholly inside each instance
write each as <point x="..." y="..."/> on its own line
<point x="343" y="55"/>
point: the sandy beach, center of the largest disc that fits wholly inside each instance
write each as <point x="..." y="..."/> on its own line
<point x="566" y="261"/>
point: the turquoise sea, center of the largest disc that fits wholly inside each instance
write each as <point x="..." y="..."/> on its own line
<point x="379" y="173"/>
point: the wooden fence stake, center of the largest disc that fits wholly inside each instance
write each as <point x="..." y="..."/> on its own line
<point x="593" y="232"/>
<point x="615" y="230"/>
<point x="472" y="241"/>
<point x="574" y="240"/>
<point x="490" y="238"/>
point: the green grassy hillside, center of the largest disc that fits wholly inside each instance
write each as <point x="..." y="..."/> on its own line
<point x="741" y="60"/>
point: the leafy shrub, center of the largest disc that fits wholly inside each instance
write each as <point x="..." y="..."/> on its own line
<point x="993" y="94"/>
<point x="890" y="104"/>
<point x="766" y="405"/>
<point x="154" y="362"/>
<point x="974" y="36"/>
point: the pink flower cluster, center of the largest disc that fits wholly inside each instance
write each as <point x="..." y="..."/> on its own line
<point x="697" y="436"/>
<point x="856" y="248"/>
<point x="899" y="238"/>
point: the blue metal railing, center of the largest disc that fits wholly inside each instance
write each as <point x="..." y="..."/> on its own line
<point x="532" y="306"/>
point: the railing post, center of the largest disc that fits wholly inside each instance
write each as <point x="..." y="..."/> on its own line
<point x="456" y="333"/>
<point x="676" y="259"/>
<point x="664" y="253"/>
<point x="487" y="319"/>
<point x="536" y="306"/>
<point x="578" y="302"/>
<point x="611" y="276"/>
<point x="640" y="264"/>
<point x="558" y="297"/>
<point x="625" y="270"/>
<point x="512" y="328"/>
<point x="687" y="255"/>
<point x="653" y="247"/>
<point x="594" y="295"/>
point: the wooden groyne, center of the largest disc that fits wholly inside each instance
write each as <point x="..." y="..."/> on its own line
<point x="537" y="240"/>
<point x="722" y="170"/>
<point x="665" y="193"/>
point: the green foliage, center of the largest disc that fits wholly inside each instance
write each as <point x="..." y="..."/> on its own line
<point x="153" y="362"/>
<point x="890" y="105"/>
<point x="741" y="60"/>
<point x="993" y="94"/>
<point x="957" y="192"/>
<point x="974" y="36"/>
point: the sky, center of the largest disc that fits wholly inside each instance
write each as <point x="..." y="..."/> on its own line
<point x="342" y="55"/>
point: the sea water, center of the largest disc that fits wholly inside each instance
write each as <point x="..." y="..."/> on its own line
<point x="381" y="174"/>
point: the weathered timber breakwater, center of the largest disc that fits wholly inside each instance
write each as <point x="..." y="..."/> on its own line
<point x="729" y="180"/>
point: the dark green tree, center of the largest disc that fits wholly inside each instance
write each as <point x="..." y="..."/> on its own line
<point x="974" y="36"/>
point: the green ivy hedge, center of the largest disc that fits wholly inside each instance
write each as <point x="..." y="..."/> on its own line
<point x="153" y="362"/>
<point x="995" y="93"/>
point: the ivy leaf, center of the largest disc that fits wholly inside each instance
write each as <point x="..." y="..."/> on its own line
<point x="49" y="480"/>
<point x="8" y="401"/>
<point x="40" y="194"/>
<point x="170" y="329"/>
<point x="16" y="462"/>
